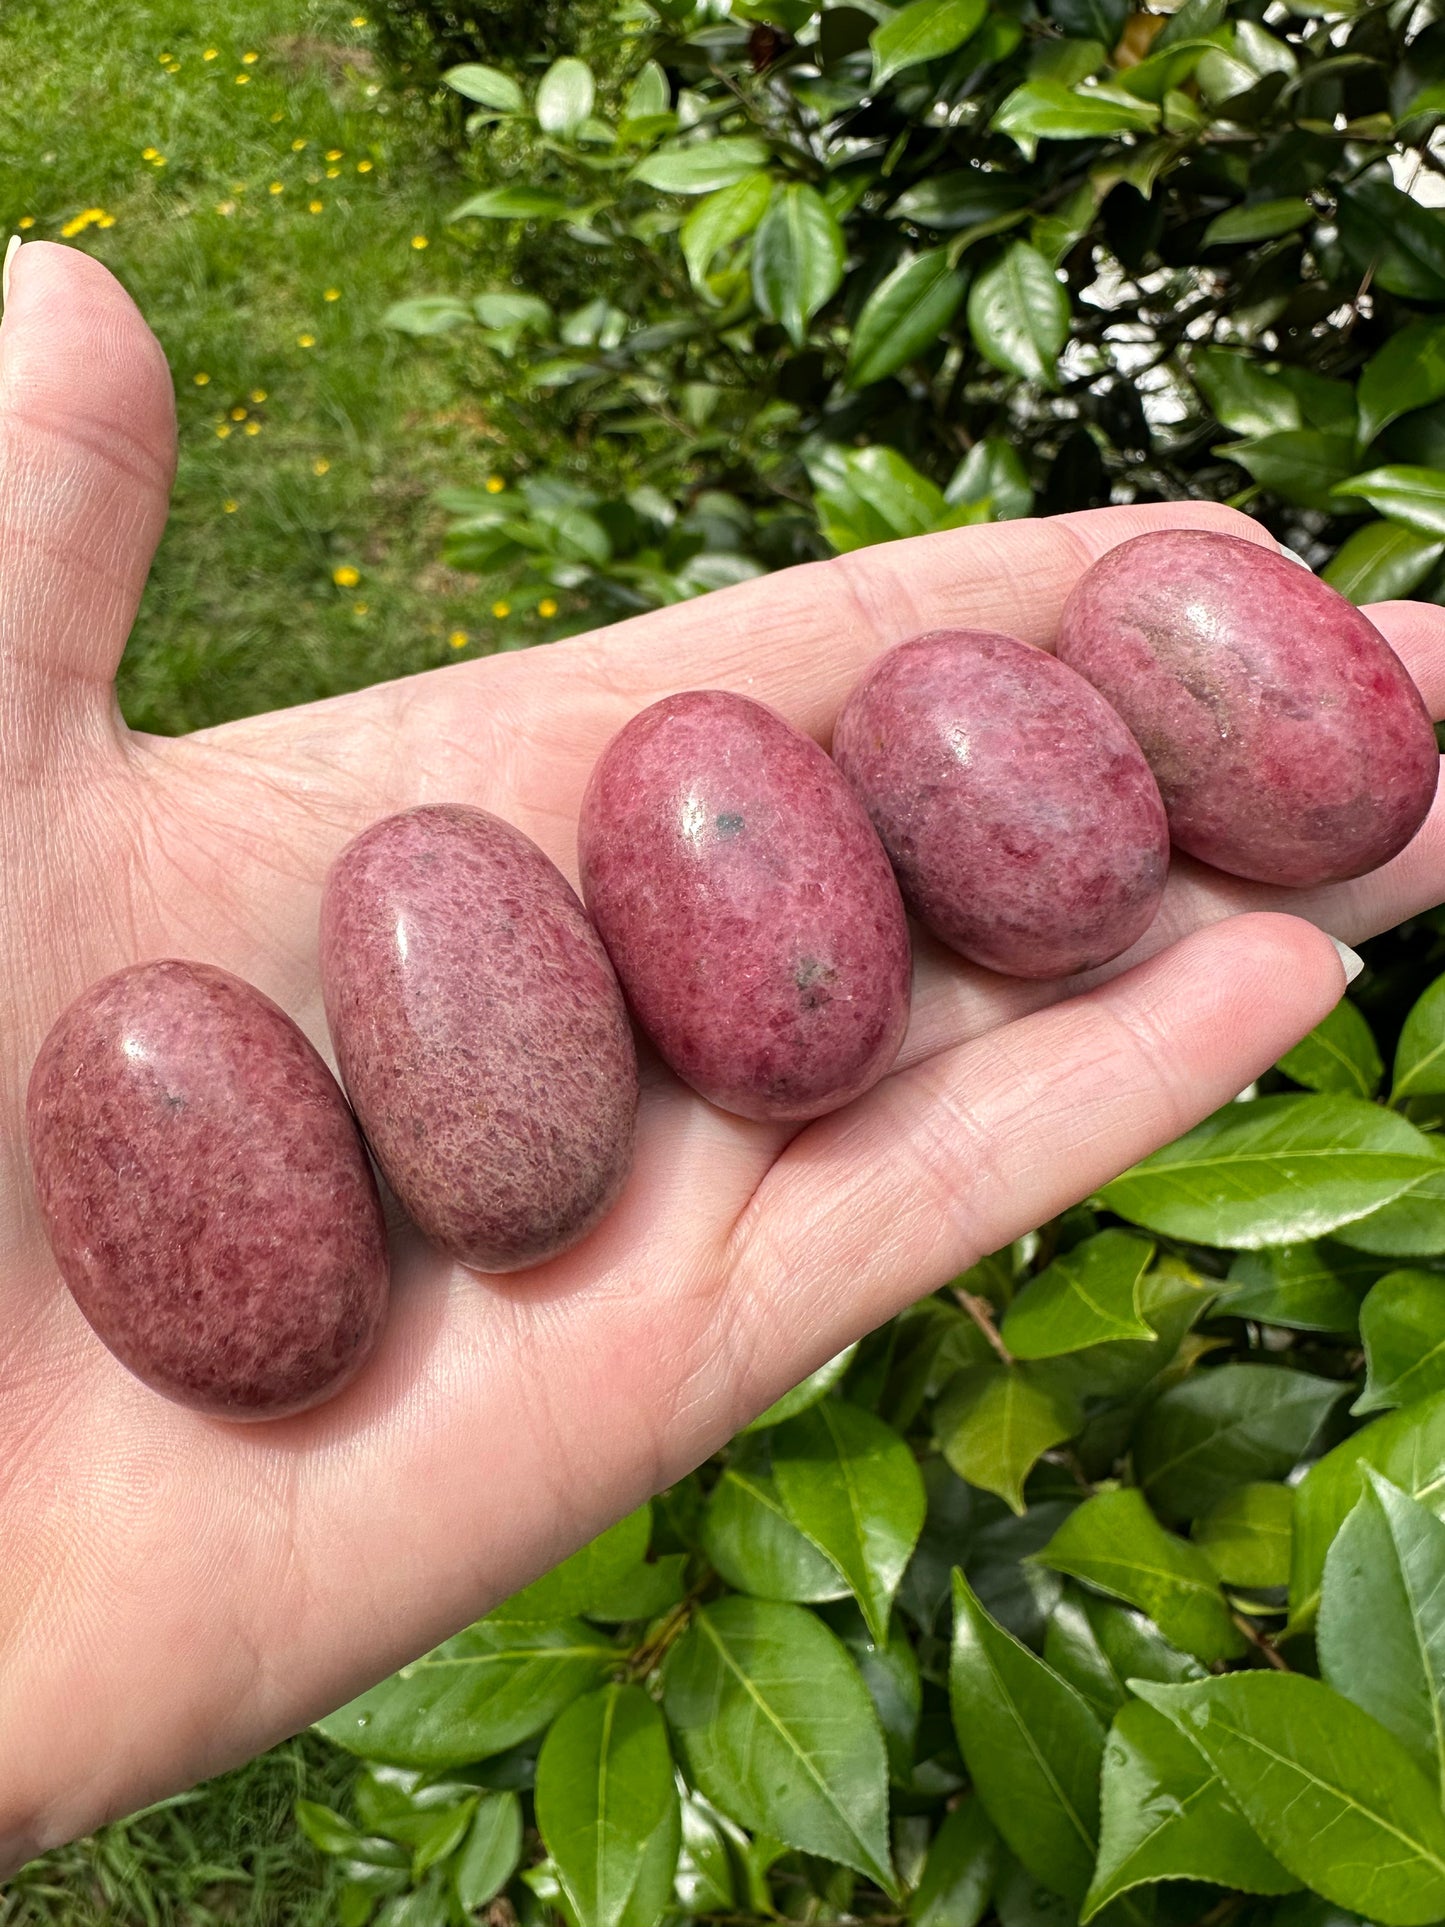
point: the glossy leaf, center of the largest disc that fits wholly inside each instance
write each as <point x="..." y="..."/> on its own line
<point x="1088" y="1296"/>
<point x="1407" y="373"/>
<point x="1032" y="1745"/>
<point x="1403" y="242"/>
<point x="1114" y="1542"/>
<point x="905" y="314"/>
<point x="1164" y="1815"/>
<point x="1257" y="221"/>
<point x="1382" y="1619"/>
<point x="1304" y="1287"/>
<point x="779" y="1733"/>
<point x="1407" y="1446"/>
<point x="515" y="204"/>
<point x="868" y="495"/>
<point x="923" y="30"/>
<point x="1274" y="1172"/>
<point x="850" y="1485"/>
<point x="725" y="216"/>
<point x="706" y="1881"/>
<point x="427" y="314"/>
<point x="1420" y="1053"/>
<point x="1304" y="465"/>
<point x="1047" y="110"/>
<point x="806" y="1392"/>
<point x="1340" y="1054"/>
<point x="565" y="95"/>
<point x="1409" y="495"/>
<point x="756" y="1547"/>
<point x="1246" y="397"/>
<point x="1098" y="1646"/>
<point x="588" y="1576"/>
<point x="607" y="1808"/>
<point x="959" y="1874"/>
<point x="1331" y="1794"/>
<point x="797" y="259"/>
<point x="1402" y="1323"/>
<point x="1246" y="1536"/>
<point x="992" y="472"/>
<point x="488" y="86"/>
<point x="492" y="1851"/>
<point x="966" y="197"/>
<point x="1018" y="314"/>
<point x="1382" y="561"/>
<point x="702" y="167"/>
<point x="996" y="1421"/>
<point x="1412" y="1227"/>
<point x="478" y="1694"/>
<point x="1220" y="1429"/>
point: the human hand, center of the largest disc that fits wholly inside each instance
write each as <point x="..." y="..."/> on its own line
<point x="177" y="1593"/>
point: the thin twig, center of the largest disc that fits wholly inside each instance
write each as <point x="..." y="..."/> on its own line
<point x="981" y="1312"/>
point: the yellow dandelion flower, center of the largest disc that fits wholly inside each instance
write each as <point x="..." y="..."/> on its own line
<point x="547" y="608"/>
<point x="278" y="187"/>
<point x="230" y="506"/>
<point x="297" y="145"/>
<point x="279" y="115"/>
<point x="26" y="221"/>
<point x="159" y="161"/>
<point x="501" y="610"/>
<point x="458" y="638"/>
<point x="364" y="167"/>
<point x="149" y="153"/>
<point x="332" y="294"/>
<point x="165" y="59"/>
<point x="249" y="60"/>
<point x="105" y="220"/>
<point x="88" y="217"/>
<point x="420" y="241"/>
<point x="333" y="173"/>
<point x="238" y="413"/>
<point x="361" y="608"/>
<point x="211" y="53"/>
<point x="336" y="153"/>
<point x="320" y="466"/>
<point x="495" y="485"/>
<point x="315" y="207"/>
<point x="305" y="341"/>
<point x="201" y="380"/>
<point x="243" y="80"/>
<point x="225" y="207"/>
<point x="358" y="20"/>
<point x="253" y="428"/>
<point x="223" y="431"/>
<point x="346" y="577"/>
<point x="258" y="395"/>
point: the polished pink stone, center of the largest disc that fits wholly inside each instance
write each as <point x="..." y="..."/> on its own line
<point x="748" y="906"/>
<point x="206" y="1191"/>
<point x="1020" y="816"/>
<point x="1289" y="743"/>
<point x="481" y="1034"/>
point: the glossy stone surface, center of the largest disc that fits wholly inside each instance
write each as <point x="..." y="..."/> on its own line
<point x="1289" y="743"/>
<point x="748" y="906"/>
<point x="206" y="1191"/>
<point x="1019" y="814"/>
<point x="480" y="1032"/>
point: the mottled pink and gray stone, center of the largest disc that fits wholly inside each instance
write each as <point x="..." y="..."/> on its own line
<point x="480" y="1032"/>
<point x="748" y="906"/>
<point x="1289" y="743"/>
<point x="206" y="1192"/>
<point x="1019" y="814"/>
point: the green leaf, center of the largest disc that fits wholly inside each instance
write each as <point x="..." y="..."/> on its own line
<point x="1331" y="1794"/>
<point x="1257" y="221"/>
<point x="1087" y="1297"/>
<point x="1381" y="562"/>
<point x="1098" y="1645"/>
<point x="702" y="167"/>
<point x="1018" y="314"/>
<point x="1114" y="1542"/>
<point x="1408" y="1447"/>
<point x="1414" y="497"/>
<point x="1420" y="1054"/>
<point x="868" y="495"/>
<point x="966" y="197"/>
<point x="850" y="1484"/>
<point x="1165" y="1816"/>
<point x="1047" y="110"/>
<point x="1400" y="241"/>
<point x="1243" y="395"/>
<point x="589" y="1575"/>
<point x="992" y="472"/>
<point x="1246" y="1537"/>
<point x="1274" y="1172"/>
<point x="493" y="1850"/>
<point x="706" y="1881"/>
<point x="1305" y="465"/>
<point x="895" y="1686"/>
<point x="778" y="1731"/>
<point x="1402" y="1323"/>
<point x="1382" y="1619"/>
<point x="481" y="1692"/>
<point x="797" y="259"/>
<point x="565" y="97"/>
<point x="924" y="30"/>
<point x="1407" y="373"/>
<point x="1339" y="1054"/>
<point x="904" y="315"/>
<point x="720" y="219"/>
<point x="1099" y="20"/>
<point x="648" y="1589"/>
<point x="607" y="1808"/>
<point x="807" y="1392"/>
<point x="503" y="310"/>
<point x="427" y="314"/>
<point x="440" y="1835"/>
<point x="1306" y="1287"/>
<point x="1032" y="1746"/>
<point x="960" y="1871"/>
<point x="1219" y="1429"/>
<point x="488" y="86"/>
<point x="749" y="1537"/>
<point x="515" y="204"/>
<point x="995" y="1421"/>
<point x="1413" y="1226"/>
<point x="324" y="1827"/>
<point x="649" y="95"/>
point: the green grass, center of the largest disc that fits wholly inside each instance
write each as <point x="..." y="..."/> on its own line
<point x="333" y="470"/>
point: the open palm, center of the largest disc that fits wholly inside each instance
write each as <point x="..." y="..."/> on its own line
<point x="177" y="1593"/>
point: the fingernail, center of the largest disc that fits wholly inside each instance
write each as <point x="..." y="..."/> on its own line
<point x="1293" y="555"/>
<point x="12" y="248"/>
<point x="1351" y="962"/>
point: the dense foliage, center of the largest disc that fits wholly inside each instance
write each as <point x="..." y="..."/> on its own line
<point x="1109" y="1581"/>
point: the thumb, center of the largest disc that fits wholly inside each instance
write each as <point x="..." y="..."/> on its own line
<point x="87" y="455"/>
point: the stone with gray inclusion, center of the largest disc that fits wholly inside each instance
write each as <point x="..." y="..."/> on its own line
<point x="1289" y="742"/>
<point x="480" y="1033"/>
<point x="747" y="905"/>
<point x="206" y="1191"/>
<point x="1020" y="816"/>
